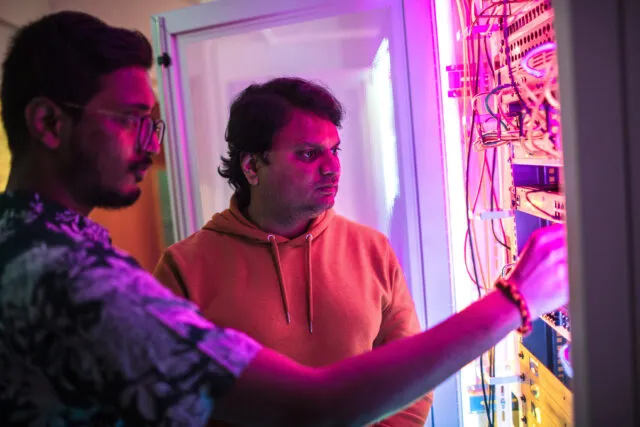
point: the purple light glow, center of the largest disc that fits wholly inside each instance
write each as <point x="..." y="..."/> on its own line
<point x="545" y="47"/>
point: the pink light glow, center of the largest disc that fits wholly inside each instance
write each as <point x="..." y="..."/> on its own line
<point x="546" y="47"/>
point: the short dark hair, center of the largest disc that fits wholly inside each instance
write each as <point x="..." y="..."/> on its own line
<point x="259" y="112"/>
<point x="62" y="56"/>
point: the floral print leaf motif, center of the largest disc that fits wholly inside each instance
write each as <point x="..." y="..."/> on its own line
<point x="89" y="338"/>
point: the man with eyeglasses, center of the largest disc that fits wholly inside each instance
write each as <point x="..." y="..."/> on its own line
<point x="88" y="338"/>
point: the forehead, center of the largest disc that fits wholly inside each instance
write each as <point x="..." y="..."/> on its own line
<point x="126" y="86"/>
<point x="306" y="128"/>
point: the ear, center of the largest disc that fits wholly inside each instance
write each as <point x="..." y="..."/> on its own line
<point x="249" y="165"/>
<point x="44" y="121"/>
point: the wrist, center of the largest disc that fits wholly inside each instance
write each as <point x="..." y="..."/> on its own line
<point x="512" y="292"/>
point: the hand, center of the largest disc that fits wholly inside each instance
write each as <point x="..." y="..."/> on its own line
<point x="541" y="273"/>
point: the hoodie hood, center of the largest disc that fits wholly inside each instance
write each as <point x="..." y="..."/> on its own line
<point x="233" y="223"/>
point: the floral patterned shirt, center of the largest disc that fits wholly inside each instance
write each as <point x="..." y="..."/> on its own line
<point x="88" y="338"/>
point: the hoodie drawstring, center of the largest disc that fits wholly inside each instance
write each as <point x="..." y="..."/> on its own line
<point x="283" y="292"/>
<point x="309" y="238"/>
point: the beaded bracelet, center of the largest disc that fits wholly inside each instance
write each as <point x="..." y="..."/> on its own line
<point x="511" y="291"/>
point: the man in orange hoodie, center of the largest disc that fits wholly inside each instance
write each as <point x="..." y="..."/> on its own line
<point x="280" y="264"/>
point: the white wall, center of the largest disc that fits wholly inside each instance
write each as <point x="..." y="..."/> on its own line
<point x="20" y="12"/>
<point x="15" y="13"/>
<point x="135" y="14"/>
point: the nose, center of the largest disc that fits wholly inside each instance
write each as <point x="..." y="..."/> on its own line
<point x="330" y="166"/>
<point x="151" y="145"/>
<point x="150" y="135"/>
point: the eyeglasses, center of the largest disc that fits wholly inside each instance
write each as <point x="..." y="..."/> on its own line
<point x="147" y="126"/>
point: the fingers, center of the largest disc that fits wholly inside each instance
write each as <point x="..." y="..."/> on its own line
<point x="553" y="235"/>
<point x="545" y="245"/>
<point x="556" y="255"/>
<point x="555" y="247"/>
<point x="541" y="272"/>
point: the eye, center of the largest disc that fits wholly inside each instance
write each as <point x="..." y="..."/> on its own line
<point x="336" y="150"/>
<point x="309" y="154"/>
<point x="130" y="120"/>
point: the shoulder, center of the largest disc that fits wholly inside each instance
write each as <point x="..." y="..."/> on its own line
<point x="192" y="244"/>
<point x="359" y="232"/>
<point x="41" y="258"/>
<point x="43" y="247"/>
<point x="51" y="277"/>
<point x="54" y="281"/>
<point x="120" y="323"/>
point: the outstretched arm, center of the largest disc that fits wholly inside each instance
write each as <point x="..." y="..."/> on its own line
<point x="155" y="360"/>
<point x="366" y="388"/>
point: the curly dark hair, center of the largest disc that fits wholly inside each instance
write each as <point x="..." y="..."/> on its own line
<point x="259" y="112"/>
<point x="62" y="56"/>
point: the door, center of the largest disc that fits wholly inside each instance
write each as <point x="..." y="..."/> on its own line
<point x="360" y="50"/>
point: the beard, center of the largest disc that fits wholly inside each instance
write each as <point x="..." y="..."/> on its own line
<point x="93" y="192"/>
<point x="92" y="174"/>
<point x="109" y="199"/>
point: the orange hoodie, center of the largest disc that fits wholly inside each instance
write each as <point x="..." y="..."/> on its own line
<point x="334" y="292"/>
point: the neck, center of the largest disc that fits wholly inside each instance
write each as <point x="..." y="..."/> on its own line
<point x="32" y="179"/>
<point x="283" y="225"/>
